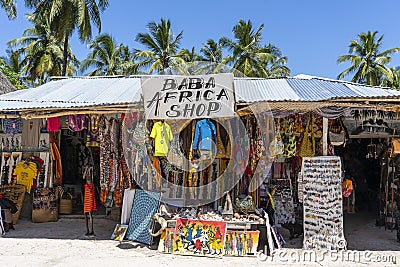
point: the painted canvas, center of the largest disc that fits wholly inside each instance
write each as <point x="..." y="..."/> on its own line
<point x="166" y="243"/>
<point x="199" y="237"/>
<point x="145" y="205"/>
<point x="241" y="243"/>
<point x="119" y="232"/>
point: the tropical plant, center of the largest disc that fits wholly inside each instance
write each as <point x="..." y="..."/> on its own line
<point x="9" y="7"/>
<point x="368" y="61"/>
<point x="67" y="15"/>
<point x="394" y="80"/>
<point x="11" y="75"/>
<point x="248" y="56"/>
<point x="12" y="63"/>
<point x="107" y="57"/>
<point x="211" y="52"/>
<point x="41" y="52"/>
<point x="162" y="47"/>
<point x="211" y="56"/>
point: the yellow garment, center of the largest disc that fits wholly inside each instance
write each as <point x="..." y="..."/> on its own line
<point x="25" y="174"/>
<point x="162" y="135"/>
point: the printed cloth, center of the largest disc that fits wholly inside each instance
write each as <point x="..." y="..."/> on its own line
<point x="89" y="203"/>
<point x="145" y="205"/>
<point x="12" y="126"/>
<point x="77" y="123"/>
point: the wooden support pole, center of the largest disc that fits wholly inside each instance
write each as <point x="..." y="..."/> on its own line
<point x="325" y="128"/>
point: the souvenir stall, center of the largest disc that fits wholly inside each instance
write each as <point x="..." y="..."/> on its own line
<point x="27" y="167"/>
<point x="242" y="175"/>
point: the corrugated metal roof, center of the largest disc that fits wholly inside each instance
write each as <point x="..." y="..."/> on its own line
<point x="93" y="91"/>
<point x="254" y="90"/>
<point x="83" y="92"/>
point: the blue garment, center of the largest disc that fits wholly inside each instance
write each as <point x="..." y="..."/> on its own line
<point x="204" y="134"/>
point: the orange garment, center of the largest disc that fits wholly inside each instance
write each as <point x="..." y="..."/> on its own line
<point x="89" y="202"/>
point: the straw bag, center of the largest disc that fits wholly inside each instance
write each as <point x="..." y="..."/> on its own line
<point x="45" y="207"/>
<point x="337" y="138"/>
<point x="65" y="203"/>
<point x="307" y="147"/>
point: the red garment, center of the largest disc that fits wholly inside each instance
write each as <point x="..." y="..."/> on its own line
<point x="89" y="202"/>
<point x="53" y="124"/>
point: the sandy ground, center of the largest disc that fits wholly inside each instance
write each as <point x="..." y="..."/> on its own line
<point x="63" y="243"/>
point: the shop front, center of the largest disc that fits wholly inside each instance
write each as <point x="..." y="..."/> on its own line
<point x="220" y="167"/>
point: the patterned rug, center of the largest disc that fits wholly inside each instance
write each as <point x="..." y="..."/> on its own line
<point x="145" y="205"/>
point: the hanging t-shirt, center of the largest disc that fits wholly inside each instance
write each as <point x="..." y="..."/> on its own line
<point x="162" y="135"/>
<point x="53" y="124"/>
<point x="25" y="174"/>
<point x="204" y="135"/>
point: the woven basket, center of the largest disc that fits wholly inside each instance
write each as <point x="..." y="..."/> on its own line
<point x="65" y="204"/>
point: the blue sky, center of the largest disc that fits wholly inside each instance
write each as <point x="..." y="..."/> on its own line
<point x="312" y="34"/>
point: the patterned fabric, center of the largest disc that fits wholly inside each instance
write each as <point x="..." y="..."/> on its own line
<point x="105" y="154"/>
<point x="77" y="122"/>
<point x="92" y="137"/>
<point x="89" y="204"/>
<point x="145" y="205"/>
<point x="12" y="126"/>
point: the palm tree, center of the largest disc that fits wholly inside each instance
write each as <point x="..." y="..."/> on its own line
<point x="248" y="56"/>
<point x="276" y="66"/>
<point x="211" y="55"/>
<point x="41" y="51"/>
<point x="162" y="47"/>
<point x="394" y="80"/>
<point x="13" y="64"/>
<point x="107" y="57"/>
<point x="9" y="7"/>
<point x="67" y="15"/>
<point x="211" y="51"/>
<point x="367" y="61"/>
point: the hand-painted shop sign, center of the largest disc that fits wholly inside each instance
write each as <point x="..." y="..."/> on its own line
<point x="185" y="97"/>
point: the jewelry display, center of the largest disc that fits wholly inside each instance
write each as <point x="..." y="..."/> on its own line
<point x="322" y="203"/>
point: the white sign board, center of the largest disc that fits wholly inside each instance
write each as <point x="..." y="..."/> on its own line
<point x="188" y="97"/>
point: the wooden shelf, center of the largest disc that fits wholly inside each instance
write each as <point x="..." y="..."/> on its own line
<point x="368" y="136"/>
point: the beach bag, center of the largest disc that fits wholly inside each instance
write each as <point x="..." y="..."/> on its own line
<point x="276" y="148"/>
<point x="245" y="204"/>
<point x="337" y="138"/>
<point x="307" y="146"/>
<point x="65" y="203"/>
<point x="347" y="187"/>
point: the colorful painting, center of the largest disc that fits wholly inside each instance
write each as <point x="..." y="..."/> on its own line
<point x="119" y="232"/>
<point x="241" y="243"/>
<point x="166" y="243"/>
<point x="199" y="238"/>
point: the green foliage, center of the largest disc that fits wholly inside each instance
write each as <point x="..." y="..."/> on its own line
<point x="9" y="7"/>
<point x="249" y="57"/>
<point x="367" y="62"/>
<point x="162" y="47"/>
<point x="11" y="75"/>
<point x="108" y="58"/>
<point x="41" y="52"/>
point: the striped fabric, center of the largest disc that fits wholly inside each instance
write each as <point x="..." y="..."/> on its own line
<point x="89" y="204"/>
